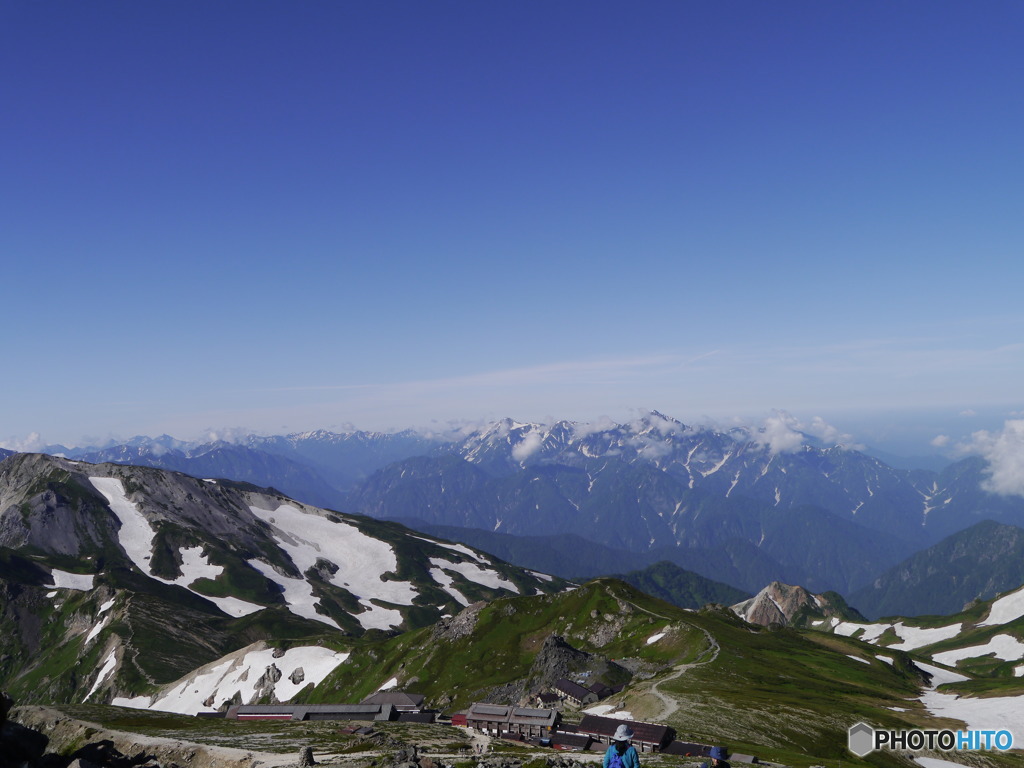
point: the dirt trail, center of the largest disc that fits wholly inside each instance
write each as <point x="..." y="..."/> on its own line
<point x="670" y="705"/>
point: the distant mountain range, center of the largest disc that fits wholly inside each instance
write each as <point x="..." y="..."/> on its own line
<point x="734" y="506"/>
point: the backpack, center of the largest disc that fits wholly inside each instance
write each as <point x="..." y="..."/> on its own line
<point x="615" y="761"/>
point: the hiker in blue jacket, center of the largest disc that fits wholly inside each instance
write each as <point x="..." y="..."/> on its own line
<point x="620" y="753"/>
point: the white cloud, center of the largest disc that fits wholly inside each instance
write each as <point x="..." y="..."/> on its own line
<point x="780" y="433"/>
<point x="236" y="435"/>
<point x="602" y="424"/>
<point x="528" y="446"/>
<point x="968" y="413"/>
<point x="940" y="441"/>
<point x="28" y="444"/>
<point x="1004" y="452"/>
<point x="829" y="434"/>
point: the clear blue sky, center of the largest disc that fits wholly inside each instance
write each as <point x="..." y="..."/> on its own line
<point x="288" y="215"/>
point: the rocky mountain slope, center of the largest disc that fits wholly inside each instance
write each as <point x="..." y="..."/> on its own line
<point x="975" y="657"/>
<point x="117" y="579"/>
<point x="975" y="564"/>
<point x="784" y="605"/>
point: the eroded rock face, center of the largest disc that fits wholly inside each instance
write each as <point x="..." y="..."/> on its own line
<point x="778" y="603"/>
<point x="267" y="681"/>
<point x="458" y="626"/>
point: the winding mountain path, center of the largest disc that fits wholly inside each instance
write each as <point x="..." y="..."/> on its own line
<point x="670" y="705"/>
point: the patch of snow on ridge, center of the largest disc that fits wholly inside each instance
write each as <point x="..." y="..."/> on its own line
<point x="108" y="666"/>
<point x="475" y="573"/>
<point x="393" y="682"/>
<point x="96" y="630"/>
<point x="298" y="594"/>
<point x="362" y="560"/>
<point x="995" y="713"/>
<point x="378" y="617"/>
<point x="135" y="534"/>
<point x="871" y="631"/>
<point x="64" y="580"/>
<point x="1005" y="609"/>
<point x="106" y="606"/>
<point x="460" y="548"/>
<point x="910" y="637"/>
<point x="655" y="638"/>
<point x="194" y="565"/>
<point x="858" y="658"/>
<point x="608" y="710"/>
<point x="918" y="637"/>
<point x="941" y="676"/>
<point x="448" y="583"/>
<point x="136" y="537"/>
<point x="1004" y="647"/>
<point x="238" y="673"/>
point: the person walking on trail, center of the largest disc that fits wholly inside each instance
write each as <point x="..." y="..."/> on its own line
<point x="620" y="753"/>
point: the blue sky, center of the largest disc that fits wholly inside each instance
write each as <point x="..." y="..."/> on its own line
<point x="279" y="216"/>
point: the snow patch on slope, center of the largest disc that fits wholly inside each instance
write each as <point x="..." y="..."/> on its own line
<point x="136" y="538"/>
<point x="476" y="573"/>
<point x="1006" y="609"/>
<point x="362" y="562"/>
<point x="1003" y="647"/>
<point x="64" y="580"/>
<point x="238" y="673"/>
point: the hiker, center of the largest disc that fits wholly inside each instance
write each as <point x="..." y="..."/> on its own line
<point x="718" y="760"/>
<point x="620" y="753"/>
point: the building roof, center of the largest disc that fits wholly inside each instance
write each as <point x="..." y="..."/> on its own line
<point x="479" y="711"/>
<point x="689" y="748"/>
<point x="568" y="687"/>
<point x="303" y="711"/>
<point x="604" y="727"/>
<point x="578" y="740"/>
<point x="541" y="717"/>
<point x="396" y="698"/>
<point x="500" y="713"/>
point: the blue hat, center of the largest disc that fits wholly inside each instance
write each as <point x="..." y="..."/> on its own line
<point x="718" y="753"/>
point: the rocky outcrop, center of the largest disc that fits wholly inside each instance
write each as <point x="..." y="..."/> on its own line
<point x="458" y="626"/>
<point x="780" y="604"/>
<point x="557" y="659"/>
